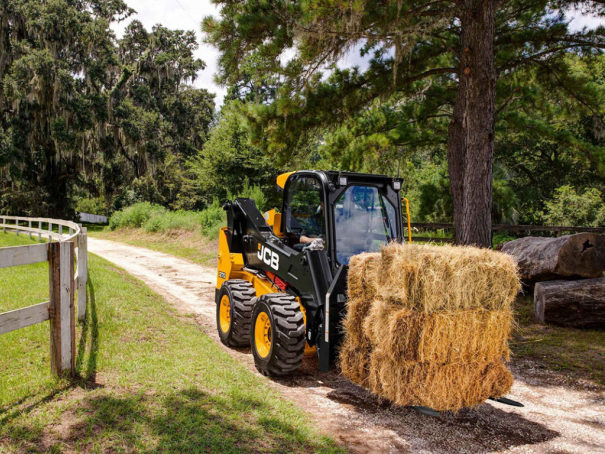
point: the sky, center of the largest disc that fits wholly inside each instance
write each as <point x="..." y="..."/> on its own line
<point x="188" y="14"/>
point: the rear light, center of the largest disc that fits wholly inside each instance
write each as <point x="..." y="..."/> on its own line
<point x="280" y="283"/>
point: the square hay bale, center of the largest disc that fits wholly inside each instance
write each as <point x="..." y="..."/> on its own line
<point x="441" y="337"/>
<point x="354" y="361"/>
<point x="429" y="325"/>
<point x="449" y="387"/>
<point x="363" y="272"/>
<point x="430" y="278"/>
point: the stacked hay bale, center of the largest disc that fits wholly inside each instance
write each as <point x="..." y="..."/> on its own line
<point x="429" y="325"/>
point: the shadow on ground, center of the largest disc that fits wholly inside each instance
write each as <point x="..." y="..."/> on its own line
<point x="484" y="429"/>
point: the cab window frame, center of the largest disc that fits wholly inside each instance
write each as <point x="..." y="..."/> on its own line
<point x="296" y="178"/>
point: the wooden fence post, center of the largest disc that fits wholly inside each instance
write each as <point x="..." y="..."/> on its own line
<point x="39" y="231"/>
<point x="61" y="309"/>
<point x="30" y="232"/>
<point x="82" y="273"/>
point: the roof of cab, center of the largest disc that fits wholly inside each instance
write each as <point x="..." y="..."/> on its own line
<point x="281" y="179"/>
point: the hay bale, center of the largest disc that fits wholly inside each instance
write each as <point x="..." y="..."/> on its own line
<point x="450" y="387"/>
<point x="429" y="325"/>
<point x="363" y="271"/>
<point x="442" y="337"/>
<point x="354" y="361"/>
<point x="431" y="278"/>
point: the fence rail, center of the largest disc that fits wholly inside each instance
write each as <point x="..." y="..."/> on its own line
<point x="63" y="281"/>
<point x="501" y="228"/>
<point x="515" y="228"/>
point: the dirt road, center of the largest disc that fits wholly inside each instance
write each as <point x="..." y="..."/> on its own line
<point x="561" y="415"/>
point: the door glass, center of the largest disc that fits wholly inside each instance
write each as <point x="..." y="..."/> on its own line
<point x="364" y="221"/>
<point x="304" y="207"/>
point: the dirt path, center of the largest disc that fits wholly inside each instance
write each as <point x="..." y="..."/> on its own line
<point x="561" y="415"/>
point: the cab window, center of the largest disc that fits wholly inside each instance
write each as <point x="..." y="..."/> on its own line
<point x="304" y="207"/>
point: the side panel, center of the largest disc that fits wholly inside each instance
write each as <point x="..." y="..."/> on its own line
<point x="228" y="263"/>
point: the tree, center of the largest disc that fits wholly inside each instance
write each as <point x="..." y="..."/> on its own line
<point x="83" y="114"/>
<point x="228" y="162"/>
<point x="445" y="58"/>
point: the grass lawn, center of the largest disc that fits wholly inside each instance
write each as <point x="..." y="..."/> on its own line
<point x="189" y="245"/>
<point x="578" y="350"/>
<point x="148" y="379"/>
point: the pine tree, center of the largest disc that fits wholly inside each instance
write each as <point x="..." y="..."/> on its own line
<point x="455" y="51"/>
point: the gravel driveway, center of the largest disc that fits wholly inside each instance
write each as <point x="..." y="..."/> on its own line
<point x="561" y="414"/>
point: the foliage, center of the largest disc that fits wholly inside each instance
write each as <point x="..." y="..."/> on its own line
<point x="92" y="205"/>
<point x="84" y="114"/>
<point x="570" y="208"/>
<point x="156" y="218"/>
<point x="228" y="162"/>
<point x="135" y="216"/>
<point x="285" y="59"/>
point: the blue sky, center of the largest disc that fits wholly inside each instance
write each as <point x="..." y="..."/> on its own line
<point x="188" y="14"/>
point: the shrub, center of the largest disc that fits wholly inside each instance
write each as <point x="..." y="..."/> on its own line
<point x="212" y="219"/>
<point x="155" y="218"/>
<point x="571" y="208"/>
<point x="135" y="215"/>
<point x="173" y="220"/>
<point x="92" y="206"/>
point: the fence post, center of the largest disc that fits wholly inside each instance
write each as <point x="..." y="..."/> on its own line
<point x="50" y="229"/>
<point x="30" y="232"/>
<point x="17" y="226"/>
<point x="61" y="308"/>
<point x="82" y="273"/>
<point x="3" y="225"/>
<point x="60" y="229"/>
<point x="39" y="231"/>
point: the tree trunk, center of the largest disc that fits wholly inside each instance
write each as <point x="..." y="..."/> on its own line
<point x="471" y="151"/>
<point x="456" y="149"/>
<point x="542" y="259"/>
<point x="579" y="304"/>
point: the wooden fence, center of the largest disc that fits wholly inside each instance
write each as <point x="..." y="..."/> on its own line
<point x="59" y="252"/>
<point x="558" y="229"/>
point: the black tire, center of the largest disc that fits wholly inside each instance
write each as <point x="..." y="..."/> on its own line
<point x="241" y="296"/>
<point x="287" y="334"/>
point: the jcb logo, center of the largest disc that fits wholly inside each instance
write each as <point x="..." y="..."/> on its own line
<point x="268" y="256"/>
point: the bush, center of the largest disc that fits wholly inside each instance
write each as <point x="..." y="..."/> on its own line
<point x="92" y="206"/>
<point x="155" y="218"/>
<point x="173" y="220"/>
<point x="212" y="219"/>
<point x="569" y="208"/>
<point x="135" y="215"/>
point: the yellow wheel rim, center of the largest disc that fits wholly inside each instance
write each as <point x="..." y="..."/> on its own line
<point x="225" y="314"/>
<point x="262" y="335"/>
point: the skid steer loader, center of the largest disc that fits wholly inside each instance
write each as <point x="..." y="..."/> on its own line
<point x="281" y="286"/>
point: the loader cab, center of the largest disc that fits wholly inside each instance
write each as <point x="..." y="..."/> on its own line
<point x="352" y="212"/>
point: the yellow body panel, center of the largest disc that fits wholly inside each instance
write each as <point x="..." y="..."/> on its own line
<point x="274" y="220"/>
<point x="281" y="179"/>
<point x="231" y="266"/>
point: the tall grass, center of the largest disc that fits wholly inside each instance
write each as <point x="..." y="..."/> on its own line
<point x="156" y="218"/>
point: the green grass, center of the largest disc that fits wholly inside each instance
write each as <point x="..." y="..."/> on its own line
<point x="148" y="380"/>
<point x="558" y="348"/>
<point x="193" y="246"/>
